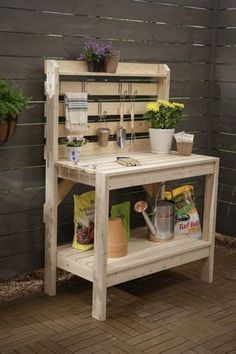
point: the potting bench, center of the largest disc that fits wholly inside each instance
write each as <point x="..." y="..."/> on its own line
<point x="144" y="257"/>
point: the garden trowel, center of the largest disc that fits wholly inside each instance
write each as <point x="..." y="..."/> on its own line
<point x="121" y="132"/>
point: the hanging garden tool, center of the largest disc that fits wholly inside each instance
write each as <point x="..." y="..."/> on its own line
<point x="121" y="132"/>
<point x="103" y="131"/>
<point x="132" y="120"/>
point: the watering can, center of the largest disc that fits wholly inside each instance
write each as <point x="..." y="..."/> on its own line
<point x="161" y="225"/>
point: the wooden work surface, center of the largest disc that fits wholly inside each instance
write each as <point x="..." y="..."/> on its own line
<point x="152" y="166"/>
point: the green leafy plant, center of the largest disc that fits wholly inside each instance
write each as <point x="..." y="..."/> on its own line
<point x="12" y="101"/>
<point x="164" y="114"/>
<point x="74" y="141"/>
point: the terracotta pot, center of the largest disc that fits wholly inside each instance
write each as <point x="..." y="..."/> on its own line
<point x="7" y="129"/>
<point x="113" y="61"/>
<point x="117" y="244"/>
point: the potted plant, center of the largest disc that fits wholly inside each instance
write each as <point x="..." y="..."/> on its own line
<point x="96" y="54"/>
<point x="74" y="144"/>
<point x="162" y="116"/>
<point x="12" y="102"/>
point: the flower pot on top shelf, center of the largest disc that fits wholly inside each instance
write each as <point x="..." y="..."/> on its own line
<point x="96" y="54"/>
<point x="162" y="116"/>
<point x="96" y="66"/>
<point x="113" y="61"/>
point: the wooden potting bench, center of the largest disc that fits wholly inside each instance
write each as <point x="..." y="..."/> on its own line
<point x="144" y="257"/>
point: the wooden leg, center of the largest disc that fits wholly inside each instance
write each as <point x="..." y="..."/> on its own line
<point x="50" y="219"/>
<point x="50" y="250"/>
<point x="51" y="151"/>
<point x="209" y="220"/>
<point x="100" y="248"/>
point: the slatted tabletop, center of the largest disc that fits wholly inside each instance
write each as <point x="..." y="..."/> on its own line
<point x="149" y="161"/>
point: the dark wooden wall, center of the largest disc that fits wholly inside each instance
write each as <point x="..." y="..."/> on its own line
<point x="224" y="123"/>
<point x="178" y="33"/>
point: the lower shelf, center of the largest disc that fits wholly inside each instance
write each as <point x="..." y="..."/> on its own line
<point x="144" y="257"/>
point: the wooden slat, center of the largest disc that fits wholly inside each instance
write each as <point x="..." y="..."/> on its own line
<point x="23" y="178"/>
<point x="193" y="107"/>
<point x="124" y="69"/>
<point x="225" y="4"/>
<point x="44" y="22"/>
<point x="141" y="126"/>
<point x="21" y="157"/>
<point x="107" y="89"/>
<point x="227" y="158"/>
<point x="21" y="201"/>
<point x="227" y="18"/>
<point x="35" y="114"/>
<point x="96" y="6"/>
<point x="112" y="108"/>
<point x="228" y="175"/>
<point x="21" y="263"/>
<point x="224" y="141"/>
<point x="32" y="68"/>
<point x="226" y="226"/>
<point x="225" y="72"/>
<point x="27" y="134"/>
<point x="225" y="106"/>
<point x="29" y="220"/>
<point x="225" y="124"/>
<point x="226" y="55"/>
<point x="136" y="30"/>
<point x="141" y="252"/>
<point x="226" y="209"/>
<point x="94" y="149"/>
<point x="226" y="36"/>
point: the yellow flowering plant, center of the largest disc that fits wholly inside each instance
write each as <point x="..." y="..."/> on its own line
<point x="164" y="114"/>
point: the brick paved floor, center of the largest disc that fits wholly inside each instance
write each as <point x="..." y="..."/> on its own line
<point x="171" y="312"/>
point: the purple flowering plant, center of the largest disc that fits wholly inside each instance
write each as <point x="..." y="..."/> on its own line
<point x="94" y="51"/>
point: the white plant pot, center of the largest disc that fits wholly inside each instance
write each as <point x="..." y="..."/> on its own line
<point x="73" y="153"/>
<point x="161" y="140"/>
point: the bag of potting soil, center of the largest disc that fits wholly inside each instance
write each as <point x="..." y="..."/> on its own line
<point x="187" y="221"/>
<point x="84" y="210"/>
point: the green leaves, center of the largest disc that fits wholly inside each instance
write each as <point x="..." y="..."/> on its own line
<point x="12" y="101"/>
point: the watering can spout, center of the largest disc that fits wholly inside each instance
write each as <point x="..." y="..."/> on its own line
<point x="140" y="207"/>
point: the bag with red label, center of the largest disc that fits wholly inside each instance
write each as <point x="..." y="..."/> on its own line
<point x="84" y="210"/>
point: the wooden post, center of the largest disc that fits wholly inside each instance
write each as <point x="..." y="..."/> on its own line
<point x="50" y="208"/>
<point x="164" y="88"/>
<point x="209" y="221"/>
<point x="100" y="247"/>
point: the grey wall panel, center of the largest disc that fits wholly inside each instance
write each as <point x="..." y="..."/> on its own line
<point x="150" y="31"/>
